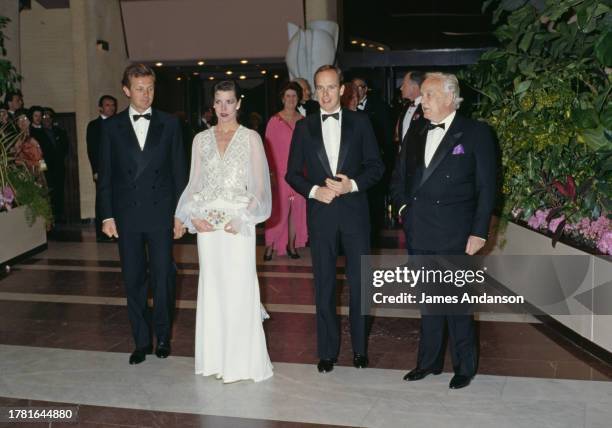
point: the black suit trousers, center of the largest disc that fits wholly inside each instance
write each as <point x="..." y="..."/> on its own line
<point x="432" y="336"/>
<point x="324" y="242"/>
<point x="147" y="256"/>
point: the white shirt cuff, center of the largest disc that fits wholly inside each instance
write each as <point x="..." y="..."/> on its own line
<point x="355" y="188"/>
<point x="313" y="191"/>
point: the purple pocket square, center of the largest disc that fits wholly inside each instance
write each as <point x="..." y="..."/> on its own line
<point x="458" y="150"/>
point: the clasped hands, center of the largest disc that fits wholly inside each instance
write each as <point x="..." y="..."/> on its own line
<point x="333" y="188"/>
<point x="202" y="226"/>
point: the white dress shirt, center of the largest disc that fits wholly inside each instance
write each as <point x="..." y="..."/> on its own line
<point x="141" y="126"/>
<point x="408" y="117"/>
<point x="435" y="136"/>
<point x="301" y="109"/>
<point x="362" y="104"/>
<point x="331" y="129"/>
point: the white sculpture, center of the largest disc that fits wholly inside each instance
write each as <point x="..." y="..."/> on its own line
<point x="311" y="48"/>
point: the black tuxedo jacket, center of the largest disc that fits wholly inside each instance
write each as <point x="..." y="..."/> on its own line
<point x="454" y="197"/>
<point x="311" y="107"/>
<point x="417" y="120"/>
<point x="140" y="188"/>
<point x="358" y="159"/>
<point x="94" y="136"/>
<point x="380" y="115"/>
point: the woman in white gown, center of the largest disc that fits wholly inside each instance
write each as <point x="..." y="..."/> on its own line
<point x="227" y="195"/>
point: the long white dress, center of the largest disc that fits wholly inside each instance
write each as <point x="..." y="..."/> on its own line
<point x="230" y="341"/>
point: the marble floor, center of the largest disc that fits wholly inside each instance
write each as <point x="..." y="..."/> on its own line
<point x="65" y="339"/>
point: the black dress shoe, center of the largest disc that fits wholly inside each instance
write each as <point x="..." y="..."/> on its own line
<point x="292" y="254"/>
<point x="140" y="354"/>
<point x="360" y="361"/>
<point x="267" y="256"/>
<point x="162" y="350"/>
<point x="459" y="381"/>
<point x="418" y="374"/>
<point x="325" y="366"/>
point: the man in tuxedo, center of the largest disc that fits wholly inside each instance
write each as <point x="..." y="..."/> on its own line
<point x="57" y="138"/>
<point x="107" y="105"/>
<point x="333" y="161"/>
<point x="141" y="174"/>
<point x="380" y="117"/>
<point x="445" y="185"/>
<point x="307" y="105"/>
<point x="412" y="108"/>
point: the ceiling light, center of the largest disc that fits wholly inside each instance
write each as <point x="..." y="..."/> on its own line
<point x="229" y="72"/>
<point x="179" y="78"/>
<point x="211" y="78"/>
<point x="200" y="62"/>
<point x="363" y="45"/>
<point x="276" y="76"/>
<point x="159" y="64"/>
<point x="244" y="61"/>
<point x="263" y="71"/>
<point x="354" y="42"/>
<point x="242" y="96"/>
<point x="242" y="77"/>
<point x="380" y="48"/>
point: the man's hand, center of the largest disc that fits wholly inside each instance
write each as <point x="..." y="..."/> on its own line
<point x="179" y="228"/>
<point x="340" y="187"/>
<point x="474" y="245"/>
<point x="109" y="228"/>
<point x="325" y="195"/>
<point x="202" y="225"/>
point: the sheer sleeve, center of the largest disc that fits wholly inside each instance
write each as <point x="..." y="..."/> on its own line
<point x="258" y="189"/>
<point x="185" y="205"/>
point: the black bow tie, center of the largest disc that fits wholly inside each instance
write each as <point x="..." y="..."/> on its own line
<point x="335" y="115"/>
<point x="410" y="103"/>
<point x="138" y="116"/>
<point x="432" y="126"/>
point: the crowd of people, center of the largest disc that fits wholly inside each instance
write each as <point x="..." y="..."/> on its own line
<point x="41" y="146"/>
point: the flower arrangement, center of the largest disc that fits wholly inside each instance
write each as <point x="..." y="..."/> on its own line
<point x="546" y="91"/>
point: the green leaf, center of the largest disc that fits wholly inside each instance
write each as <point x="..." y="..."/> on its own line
<point x="603" y="49"/>
<point x="595" y="139"/>
<point x="605" y="117"/>
<point x="526" y="41"/>
<point x="585" y="119"/>
<point x="511" y="5"/>
<point x="520" y="87"/>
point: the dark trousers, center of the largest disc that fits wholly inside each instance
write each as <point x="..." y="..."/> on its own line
<point x="324" y="245"/>
<point x="98" y="219"/>
<point x="432" y="336"/>
<point x="149" y="253"/>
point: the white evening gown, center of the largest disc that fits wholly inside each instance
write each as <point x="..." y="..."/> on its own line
<point x="230" y="341"/>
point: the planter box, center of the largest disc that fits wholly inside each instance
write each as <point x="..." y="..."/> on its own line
<point x="16" y="237"/>
<point x="520" y="240"/>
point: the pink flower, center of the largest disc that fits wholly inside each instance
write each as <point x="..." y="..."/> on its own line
<point x="538" y="220"/>
<point x="7" y="197"/>
<point x="554" y="223"/>
<point x="605" y="243"/>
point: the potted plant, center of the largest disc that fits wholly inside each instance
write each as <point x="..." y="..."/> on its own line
<point x="24" y="204"/>
<point x="546" y="91"/>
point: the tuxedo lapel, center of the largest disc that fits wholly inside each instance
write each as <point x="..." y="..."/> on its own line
<point x="153" y="138"/>
<point x="447" y="143"/>
<point x="129" y="136"/>
<point x="345" y="137"/>
<point x="316" y="132"/>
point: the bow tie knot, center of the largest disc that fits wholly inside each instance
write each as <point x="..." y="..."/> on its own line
<point x="335" y="115"/>
<point x="138" y="116"/>
<point x="434" y="126"/>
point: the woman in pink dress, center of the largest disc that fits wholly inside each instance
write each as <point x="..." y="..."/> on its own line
<point x="286" y="227"/>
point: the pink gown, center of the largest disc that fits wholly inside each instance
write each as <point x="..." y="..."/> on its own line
<point x="284" y="198"/>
